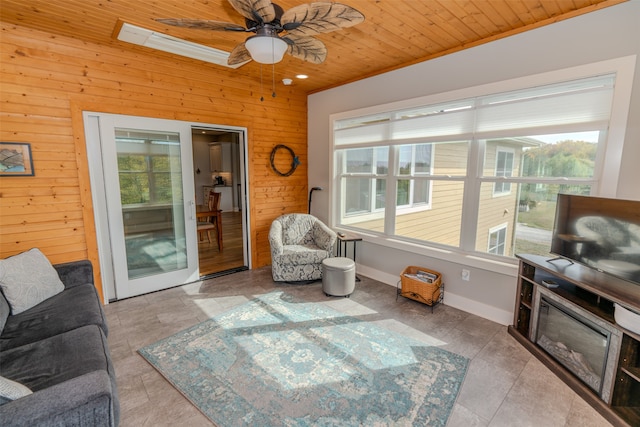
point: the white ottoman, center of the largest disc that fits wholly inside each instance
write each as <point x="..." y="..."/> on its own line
<point x="338" y="276"/>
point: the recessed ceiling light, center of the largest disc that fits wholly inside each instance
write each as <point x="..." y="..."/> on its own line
<point x="302" y="76"/>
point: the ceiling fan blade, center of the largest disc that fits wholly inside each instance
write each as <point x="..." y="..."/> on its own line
<point x="320" y="17"/>
<point x="202" y="24"/>
<point x="255" y="10"/>
<point x="238" y="55"/>
<point x="306" y="48"/>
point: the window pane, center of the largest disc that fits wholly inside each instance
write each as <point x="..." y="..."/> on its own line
<point x="497" y="241"/>
<point x="402" y="198"/>
<point x="441" y="223"/>
<point x="381" y="190"/>
<point x="361" y="209"/>
<point x="382" y="160"/>
<point x="531" y="215"/>
<point x="423" y="158"/>
<point x="404" y="160"/>
<point x="420" y="191"/>
<point x="414" y="159"/>
<point x="502" y="157"/>
<point x="160" y="163"/>
<point x="450" y="158"/>
<point x="134" y="188"/>
<point x="357" y="195"/>
<point x="504" y="163"/>
<point x="570" y="155"/>
<point x="134" y="180"/>
<point x="359" y="160"/>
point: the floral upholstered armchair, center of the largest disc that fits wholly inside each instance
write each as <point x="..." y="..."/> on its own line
<point x="299" y="243"/>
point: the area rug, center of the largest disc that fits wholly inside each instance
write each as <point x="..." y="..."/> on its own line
<point x="279" y="361"/>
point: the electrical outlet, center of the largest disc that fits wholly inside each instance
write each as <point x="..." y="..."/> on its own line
<point x="465" y="274"/>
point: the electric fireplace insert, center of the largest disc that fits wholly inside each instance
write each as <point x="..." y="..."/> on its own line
<point x="575" y="338"/>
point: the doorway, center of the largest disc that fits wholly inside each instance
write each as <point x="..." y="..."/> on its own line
<point x="145" y="201"/>
<point x="218" y="165"/>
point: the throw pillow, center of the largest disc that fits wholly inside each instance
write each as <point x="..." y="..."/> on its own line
<point x="27" y="279"/>
<point x="11" y="390"/>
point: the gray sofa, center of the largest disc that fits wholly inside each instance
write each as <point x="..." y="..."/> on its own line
<point x="58" y="349"/>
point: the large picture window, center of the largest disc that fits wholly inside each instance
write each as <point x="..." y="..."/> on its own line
<point x="479" y="173"/>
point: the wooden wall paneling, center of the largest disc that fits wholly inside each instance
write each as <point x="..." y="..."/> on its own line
<point x="49" y="81"/>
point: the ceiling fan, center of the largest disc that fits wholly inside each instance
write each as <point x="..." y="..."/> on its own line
<point x="278" y="32"/>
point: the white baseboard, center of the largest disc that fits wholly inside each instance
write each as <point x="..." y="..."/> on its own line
<point x="494" y="314"/>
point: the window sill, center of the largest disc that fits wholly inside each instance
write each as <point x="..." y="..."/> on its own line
<point x="508" y="267"/>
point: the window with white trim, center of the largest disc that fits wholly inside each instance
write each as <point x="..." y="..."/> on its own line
<point x="430" y="173"/>
<point x="414" y="167"/>
<point x="497" y="240"/>
<point x="503" y="169"/>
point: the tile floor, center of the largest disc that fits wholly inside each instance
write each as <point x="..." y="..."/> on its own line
<point x="504" y="386"/>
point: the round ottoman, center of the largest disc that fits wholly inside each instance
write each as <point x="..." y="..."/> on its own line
<point x="338" y="276"/>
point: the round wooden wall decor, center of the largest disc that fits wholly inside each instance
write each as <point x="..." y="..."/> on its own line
<point x="294" y="162"/>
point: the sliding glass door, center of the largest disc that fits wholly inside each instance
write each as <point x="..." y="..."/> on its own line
<point x="150" y="202"/>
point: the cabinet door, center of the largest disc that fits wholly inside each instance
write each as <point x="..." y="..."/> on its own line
<point x="215" y="158"/>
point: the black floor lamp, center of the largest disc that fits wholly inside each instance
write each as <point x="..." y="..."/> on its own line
<point x="310" y="194"/>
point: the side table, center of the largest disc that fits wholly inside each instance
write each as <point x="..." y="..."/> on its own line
<point x="343" y="242"/>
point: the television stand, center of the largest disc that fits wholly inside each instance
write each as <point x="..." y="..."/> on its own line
<point x="590" y="294"/>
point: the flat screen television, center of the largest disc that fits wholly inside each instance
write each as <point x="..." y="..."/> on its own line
<point x="600" y="233"/>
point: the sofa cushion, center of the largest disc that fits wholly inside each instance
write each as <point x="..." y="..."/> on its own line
<point x="74" y="307"/>
<point x="56" y="359"/>
<point x="60" y="358"/>
<point x="12" y="390"/>
<point x="27" y="279"/>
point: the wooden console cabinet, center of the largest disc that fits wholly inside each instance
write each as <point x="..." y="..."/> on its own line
<point x="595" y="292"/>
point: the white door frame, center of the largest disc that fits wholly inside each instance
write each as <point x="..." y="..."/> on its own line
<point x="96" y="174"/>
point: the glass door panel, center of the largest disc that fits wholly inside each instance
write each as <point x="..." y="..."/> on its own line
<point x="150" y="181"/>
<point x="150" y="201"/>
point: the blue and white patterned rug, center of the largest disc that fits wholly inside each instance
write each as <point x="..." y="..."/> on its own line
<point x="278" y="361"/>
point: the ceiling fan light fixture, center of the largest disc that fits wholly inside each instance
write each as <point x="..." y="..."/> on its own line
<point x="266" y="49"/>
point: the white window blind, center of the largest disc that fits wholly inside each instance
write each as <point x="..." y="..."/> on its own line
<point x="581" y="102"/>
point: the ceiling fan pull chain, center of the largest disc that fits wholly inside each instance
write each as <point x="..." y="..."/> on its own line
<point x="261" y="89"/>
<point x="273" y="80"/>
<point x="273" y="69"/>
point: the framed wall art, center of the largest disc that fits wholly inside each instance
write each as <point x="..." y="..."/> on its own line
<point x="15" y="159"/>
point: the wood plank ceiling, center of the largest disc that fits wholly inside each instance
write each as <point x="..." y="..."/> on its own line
<point x="395" y="33"/>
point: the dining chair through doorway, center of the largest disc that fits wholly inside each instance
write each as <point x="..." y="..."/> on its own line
<point x="211" y="219"/>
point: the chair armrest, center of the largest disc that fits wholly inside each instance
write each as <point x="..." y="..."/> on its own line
<point x="75" y="273"/>
<point x="275" y="239"/>
<point x="323" y="236"/>
<point x="84" y="400"/>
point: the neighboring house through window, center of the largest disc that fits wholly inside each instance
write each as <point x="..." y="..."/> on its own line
<point x="429" y="172"/>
